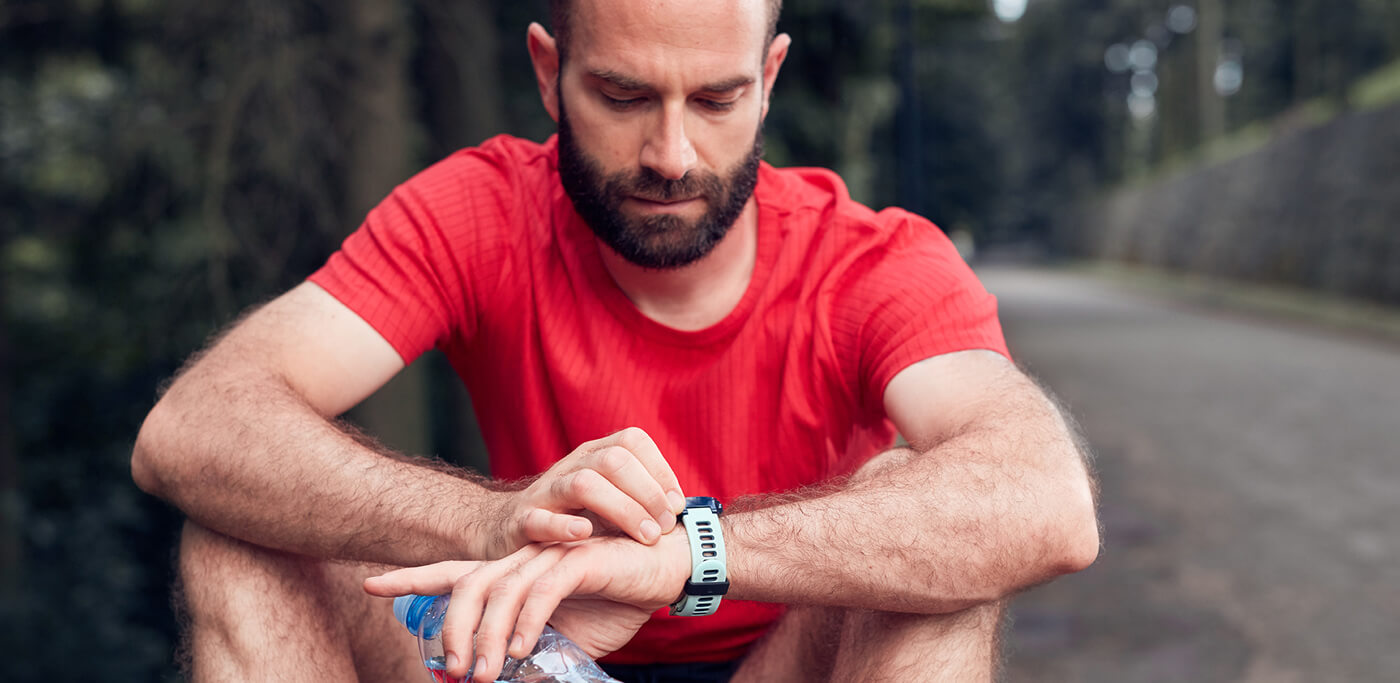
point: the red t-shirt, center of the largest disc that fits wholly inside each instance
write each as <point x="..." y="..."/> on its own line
<point x="483" y="256"/>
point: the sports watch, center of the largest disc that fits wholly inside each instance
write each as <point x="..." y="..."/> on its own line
<point x="709" y="577"/>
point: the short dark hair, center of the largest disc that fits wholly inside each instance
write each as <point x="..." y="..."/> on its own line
<point x="561" y="13"/>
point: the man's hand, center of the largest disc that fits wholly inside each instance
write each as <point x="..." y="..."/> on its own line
<point x="621" y="479"/>
<point x="597" y="592"/>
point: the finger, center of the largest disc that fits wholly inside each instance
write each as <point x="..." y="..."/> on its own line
<point x="626" y="471"/>
<point x="543" y="598"/>
<point x="459" y="625"/>
<point x="497" y="627"/>
<point x="543" y="526"/>
<point x="432" y="579"/>
<point x="590" y="490"/>
<point x="644" y="448"/>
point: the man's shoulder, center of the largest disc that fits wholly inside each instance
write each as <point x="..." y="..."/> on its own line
<point x="801" y="189"/>
<point x="508" y="150"/>
<point x="818" y="199"/>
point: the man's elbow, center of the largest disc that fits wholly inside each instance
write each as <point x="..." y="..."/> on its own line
<point x="1081" y="551"/>
<point x="1077" y="533"/>
<point x="146" y="461"/>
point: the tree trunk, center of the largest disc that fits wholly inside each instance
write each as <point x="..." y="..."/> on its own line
<point x="11" y="505"/>
<point x="461" y="73"/>
<point x="1209" y="33"/>
<point x="464" y="106"/>
<point x="378" y="157"/>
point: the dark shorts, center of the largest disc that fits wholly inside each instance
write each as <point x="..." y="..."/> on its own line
<point x="685" y="672"/>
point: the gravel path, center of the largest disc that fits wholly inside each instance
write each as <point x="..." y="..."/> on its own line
<point x="1251" y="491"/>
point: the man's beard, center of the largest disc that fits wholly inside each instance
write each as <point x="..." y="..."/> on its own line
<point x="660" y="241"/>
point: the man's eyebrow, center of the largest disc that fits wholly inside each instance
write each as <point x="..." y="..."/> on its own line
<point x="618" y="80"/>
<point x="728" y="84"/>
<point x="631" y="83"/>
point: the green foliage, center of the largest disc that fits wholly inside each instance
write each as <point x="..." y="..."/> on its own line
<point x="1378" y="89"/>
<point x="164" y="165"/>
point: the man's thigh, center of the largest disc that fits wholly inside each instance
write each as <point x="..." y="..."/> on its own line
<point x="801" y="646"/>
<point x="249" y="613"/>
<point x="828" y="643"/>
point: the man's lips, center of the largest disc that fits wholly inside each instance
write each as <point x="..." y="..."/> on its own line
<point x="647" y="203"/>
<point x="667" y="202"/>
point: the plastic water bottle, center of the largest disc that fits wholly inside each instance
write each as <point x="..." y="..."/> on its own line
<point x="555" y="659"/>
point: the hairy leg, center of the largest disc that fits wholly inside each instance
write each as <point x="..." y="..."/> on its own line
<point x="820" y="644"/>
<point x="882" y="646"/>
<point x="802" y="646"/>
<point x="253" y="614"/>
<point x="828" y="643"/>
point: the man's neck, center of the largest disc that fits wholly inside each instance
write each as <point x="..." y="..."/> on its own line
<point x="701" y="294"/>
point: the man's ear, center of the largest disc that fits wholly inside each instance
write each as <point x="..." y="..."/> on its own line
<point x="544" y="55"/>
<point x="777" y="52"/>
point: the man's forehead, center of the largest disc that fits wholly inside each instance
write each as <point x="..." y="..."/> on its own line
<point x="669" y="27"/>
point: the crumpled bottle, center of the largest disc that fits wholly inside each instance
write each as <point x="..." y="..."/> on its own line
<point x="555" y="659"/>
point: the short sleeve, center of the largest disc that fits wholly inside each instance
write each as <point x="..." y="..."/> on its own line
<point x="912" y="298"/>
<point x="408" y="270"/>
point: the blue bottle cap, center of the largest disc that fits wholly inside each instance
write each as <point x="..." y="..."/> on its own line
<point x="409" y="611"/>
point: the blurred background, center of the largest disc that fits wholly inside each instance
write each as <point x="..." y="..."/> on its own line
<point x="1187" y="208"/>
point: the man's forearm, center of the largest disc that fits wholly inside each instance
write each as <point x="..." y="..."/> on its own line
<point x="972" y="520"/>
<point x="246" y="456"/>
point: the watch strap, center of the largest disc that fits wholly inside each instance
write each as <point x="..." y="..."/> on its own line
<point x="709" y="577"/>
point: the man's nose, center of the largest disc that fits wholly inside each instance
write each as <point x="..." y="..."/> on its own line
<point x="668" y="150"/>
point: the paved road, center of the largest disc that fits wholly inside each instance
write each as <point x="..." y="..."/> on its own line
<point x="1251" y="492"/>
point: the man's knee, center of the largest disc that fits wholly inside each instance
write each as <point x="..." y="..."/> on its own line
<point x="233" y="593"/>
<point x="960" y="646"/>
<point x="243" y="606"/>
<point x="220" y="574"/>
<point x="802" y="646"/>
<point x="830" y="643"/>
<point x="254" y="613"/>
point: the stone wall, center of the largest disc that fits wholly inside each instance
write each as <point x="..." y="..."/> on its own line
<point x="1317" y="208"/>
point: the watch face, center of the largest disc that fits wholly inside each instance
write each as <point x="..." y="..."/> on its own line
<point x="705" y="502"/>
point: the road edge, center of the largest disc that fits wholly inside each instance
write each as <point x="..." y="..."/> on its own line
<point x="1277" y="302"/>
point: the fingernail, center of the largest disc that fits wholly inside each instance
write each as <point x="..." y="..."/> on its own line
<point x="480" y="664"/>
<point x="517" y="643"/>
<point x="650" y="530"/>
<point x="578" y="528"/>
<point x="676" y="500"/>
<point x="452" y="661"/>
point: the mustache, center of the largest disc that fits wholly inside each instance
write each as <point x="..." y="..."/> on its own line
<point x="648" y="184"/>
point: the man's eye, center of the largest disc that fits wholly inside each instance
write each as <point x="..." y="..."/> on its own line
<point x="622" y="104"/>
<point x="718" y="105"/>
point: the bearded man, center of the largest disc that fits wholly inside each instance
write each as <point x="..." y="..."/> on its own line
<point x="653" y="313"/>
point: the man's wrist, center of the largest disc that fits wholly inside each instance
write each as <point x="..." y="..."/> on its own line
<point x="676" y="547"/>
<point x="491" y="533"/>
<point x="708" y="581"/>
